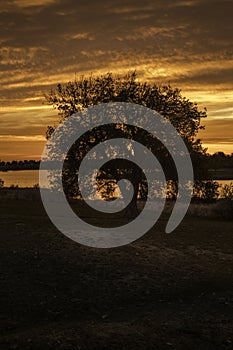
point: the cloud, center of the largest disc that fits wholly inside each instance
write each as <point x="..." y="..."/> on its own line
<point x="26" y="138"/>
<point x="82" y="36"/>
<point x="29" y="3"/>
<point x="20" y="150"/>
<point x="30" y="122"/>
<point x="218" y="130"/>
<point x="217" y="135"/>
<point x="43" y="42"/>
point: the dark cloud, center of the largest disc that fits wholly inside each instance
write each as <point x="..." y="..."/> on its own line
<point x="215" y="76"/>
<point x="185" y="42"/>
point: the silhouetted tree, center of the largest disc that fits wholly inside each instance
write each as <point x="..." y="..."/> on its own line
<point x="182" y="113"/>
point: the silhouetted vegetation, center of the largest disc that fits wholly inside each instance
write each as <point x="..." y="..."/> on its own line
<point x="19" y="165"/>
<point x="182" y="113"/>
<point x="220" y="166"/>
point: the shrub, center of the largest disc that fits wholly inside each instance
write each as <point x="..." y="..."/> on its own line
<point x="226" y="191"/>
<point x="206" y="190"/>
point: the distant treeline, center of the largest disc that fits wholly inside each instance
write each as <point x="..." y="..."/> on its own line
<point x="219" y="166"/>
<point x="216" y="163"/>
<point x="219" y="160"/>
<point x="20" y="165"/>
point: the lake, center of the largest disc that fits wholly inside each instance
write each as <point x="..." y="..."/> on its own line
<point x="29" y="178"/>
<point x="21" y="178"/>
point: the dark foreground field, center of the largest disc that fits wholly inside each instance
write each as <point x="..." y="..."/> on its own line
<point x="162" y="292"/>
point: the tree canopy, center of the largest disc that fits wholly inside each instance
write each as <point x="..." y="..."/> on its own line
<point x="168" y="101"/>
<point x="88" y="91"/>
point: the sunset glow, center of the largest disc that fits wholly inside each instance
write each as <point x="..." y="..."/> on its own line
<point x="185" y="43"/>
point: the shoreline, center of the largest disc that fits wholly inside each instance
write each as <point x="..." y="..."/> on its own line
<point x="220" y="208"/>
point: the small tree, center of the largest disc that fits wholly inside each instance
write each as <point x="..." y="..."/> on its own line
<point x="182" y="113"/>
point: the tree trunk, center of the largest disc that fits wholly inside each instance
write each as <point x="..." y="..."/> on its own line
<point x="132" y="210"/>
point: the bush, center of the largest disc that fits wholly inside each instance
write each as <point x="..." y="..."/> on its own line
<point x="226" y="191"/>
<point x="207" y="191"/>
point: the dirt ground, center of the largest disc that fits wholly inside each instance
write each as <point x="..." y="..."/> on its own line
<point x="161" y="292"/>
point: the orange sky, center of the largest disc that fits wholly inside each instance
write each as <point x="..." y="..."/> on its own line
<point x="44" y="42"/>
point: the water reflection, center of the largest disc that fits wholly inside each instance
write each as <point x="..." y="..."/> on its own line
<point x="30" y="178"/>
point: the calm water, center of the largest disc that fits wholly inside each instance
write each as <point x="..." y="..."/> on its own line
<point x="22" y="178"/>
<point x="29" y="178"/>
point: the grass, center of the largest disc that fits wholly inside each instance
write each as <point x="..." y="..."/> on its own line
<point x="160" y="292"/>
